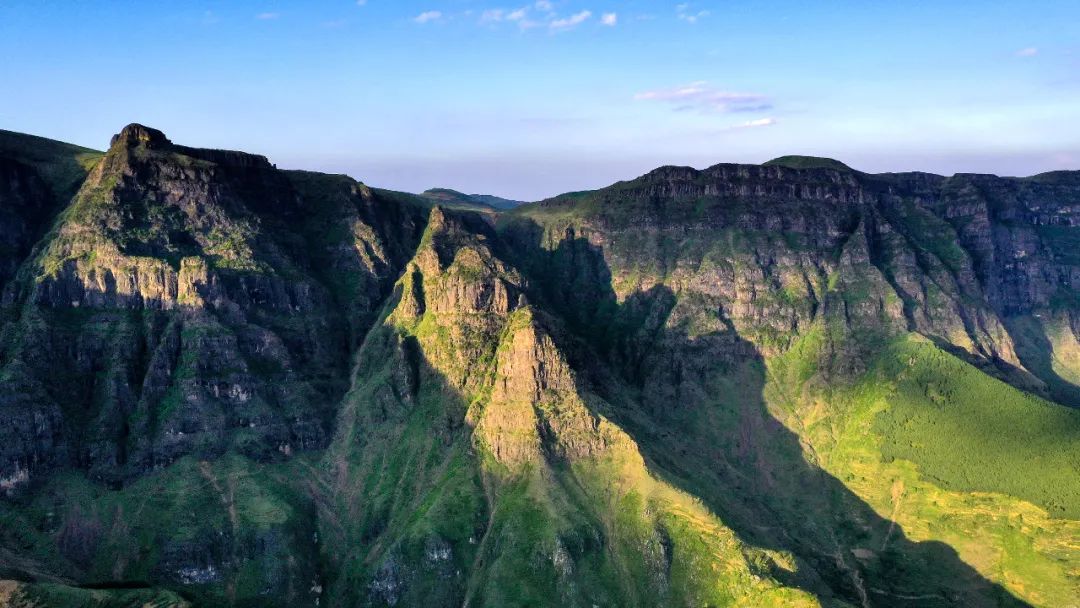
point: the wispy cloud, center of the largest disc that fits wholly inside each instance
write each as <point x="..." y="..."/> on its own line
<point x="496" y="15"/>
<point x="572" y="21"/>
<point x="361" y="2"/>
<point x="686" y="13"/>
<point x="761" y="122"/>
<point x="707" y="99"/>
<point x="518" y="16"/>
<point x="1028" y="52"/>
<point x="427" y="16"/>
<point x="535" y="15"/>
<point x="267" y="16"/>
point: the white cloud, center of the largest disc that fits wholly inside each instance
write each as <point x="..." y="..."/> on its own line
<point x="427" y="16"/>
<point x="361" y="2"/>
<point x="267" y="16"/>
<point x="571" y="21"/>
<point x="706" y="99"/>
<point x="544" y="5"/>
<point x="1028" y="52"/>
<point x="520" y="16"/>
<point x="684" y="12"/>
<point x="609" y="19"/>
<point x="761" y="122"/>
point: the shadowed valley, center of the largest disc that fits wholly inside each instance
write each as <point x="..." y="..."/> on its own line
<point x="792" y="384"/>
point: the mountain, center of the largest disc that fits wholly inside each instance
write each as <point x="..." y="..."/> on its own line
<point x="793" y="384"/>
<point x="496" y="201"/>
<point x="473" y="202"/>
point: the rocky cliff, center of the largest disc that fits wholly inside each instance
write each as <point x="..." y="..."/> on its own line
<point x="788" y="384"/>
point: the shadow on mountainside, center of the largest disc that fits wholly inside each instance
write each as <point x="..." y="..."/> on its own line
<point x="694" y="404"/>
<point x="1036" y="353"/>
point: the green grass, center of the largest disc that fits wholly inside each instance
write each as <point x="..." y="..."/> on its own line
<point x="967" y="431"/>
<point x="227" y="507"/>
<point x="63" y="166"/>
<point x="807" y="162"/>
<point x="1063" y="241"/>
<point x="36" y="595"/>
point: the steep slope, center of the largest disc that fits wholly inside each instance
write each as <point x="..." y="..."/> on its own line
<point x="788" y="329"/>
<point x="790" y="385"/>
<point x="188" y="304"/>
<point x="472" y="467"/>
<point x="37" y="178"/>
<point x="62" y="166"/>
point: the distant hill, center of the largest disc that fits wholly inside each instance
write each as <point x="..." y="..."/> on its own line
<point x="455" y="199"/>
<point x="807" y="162"/>
<point x="61" y="165"/>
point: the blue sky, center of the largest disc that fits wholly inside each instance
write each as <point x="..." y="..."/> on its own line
<point x="529" y="99"/>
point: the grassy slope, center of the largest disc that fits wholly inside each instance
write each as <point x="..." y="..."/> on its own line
<point x="597" y="530"/>
<point x="63" y="166"/>
<point x="902" y="438"/>
<point x="25" y="595"/>
<point x="807" y="162"/>
<point x="941" y="448"/>
<point x="86" y="531"/>
<point x="949" y="454"/>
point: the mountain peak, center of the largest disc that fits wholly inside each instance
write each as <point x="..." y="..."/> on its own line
<point x="136" y="134"/>
<point x="807" y="162"/>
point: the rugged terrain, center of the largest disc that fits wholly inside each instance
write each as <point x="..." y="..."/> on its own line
<point x="793" y="384"/>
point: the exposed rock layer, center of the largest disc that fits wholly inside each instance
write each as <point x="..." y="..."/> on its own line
<point x="266" y="387"/>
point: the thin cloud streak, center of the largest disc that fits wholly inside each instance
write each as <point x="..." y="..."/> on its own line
<point x="428" y="16"/>
<point x="752" y="124"/>
<point x="683" y="12"/>
<point x="571" y="21"/>
<point x="706" y="99"/>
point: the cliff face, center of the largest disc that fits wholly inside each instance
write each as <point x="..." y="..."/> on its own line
<point x="176" y="309"/>
<point x="774" y="248"/>
<point x="789" y="384"/>
<point x="502" y="480"/>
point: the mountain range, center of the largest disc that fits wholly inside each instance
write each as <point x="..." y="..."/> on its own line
<point x="789" y="384"/>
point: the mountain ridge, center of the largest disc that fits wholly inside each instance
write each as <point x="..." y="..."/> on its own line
<point x="746" y="385"/>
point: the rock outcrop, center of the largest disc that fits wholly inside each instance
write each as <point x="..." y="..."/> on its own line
<point x="237" y="385"/>
<point x="175" y="310"/>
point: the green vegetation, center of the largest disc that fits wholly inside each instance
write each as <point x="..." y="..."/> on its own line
<point x="647" y="395"/>
<point x="62" y="166"/>
<point x="36" y="595"/>
<point x="967" y="431"/>
<point x="807" y="162"/>
<point x="193" y="515"/>
<point x="484" y="203"/>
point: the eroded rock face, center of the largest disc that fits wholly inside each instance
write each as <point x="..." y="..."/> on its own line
<point x="177" y="309"/>
<point x="487" y="414"/>
<point x="770" y="249"/>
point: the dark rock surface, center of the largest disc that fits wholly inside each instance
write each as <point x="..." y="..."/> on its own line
<point x="265" y="387"/>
